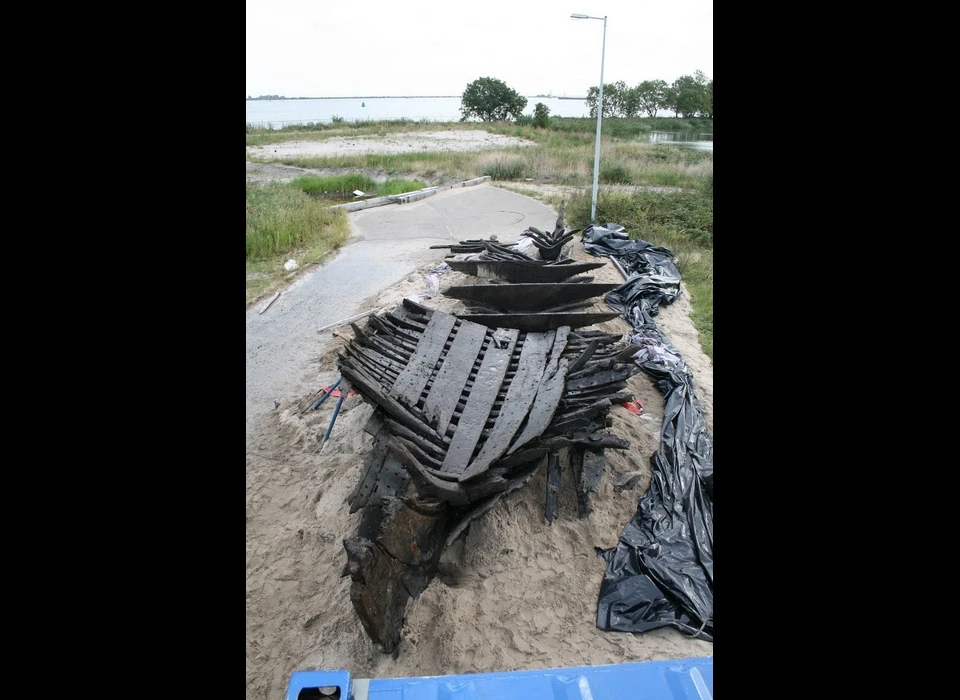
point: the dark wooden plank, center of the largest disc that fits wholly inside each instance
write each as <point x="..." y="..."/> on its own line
<point x="592" y="381"/>
<point x="417" y="309"/>
<point x="516" y="404"/>
<point x="593" y="465"/>
<point x="427" y="484"/>
<point x="520" y="271"/>
<point x="559" y="345"/>
<point x="596" y="392"/>
<point x="544" y="406"/>
<point x="371" y="465"/>
<point x="373" y="391"/>
<point x="482" y="395"/>
<point x="477" y="512"/>
<point x="594" y="441"/>
<point x="553" y="485"/>
<point x="576" y="464"/>
<point x="540" y="321"/>
<point x="592" y="368"/>
<point x="527" y="298"/>
<point x="423" y="443"/>
<point x="441" y="402"/>
<point x="414" y="376"/>
<point x="577" y="418"/>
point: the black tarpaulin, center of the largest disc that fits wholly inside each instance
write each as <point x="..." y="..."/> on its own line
<point x="661" y="572"/>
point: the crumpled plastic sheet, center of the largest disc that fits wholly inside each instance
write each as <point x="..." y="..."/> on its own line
<point x="660" y="574"/>
<point x="653" y="278"/>
<point x="524" y="244"/>
<point x="432" y="284"/>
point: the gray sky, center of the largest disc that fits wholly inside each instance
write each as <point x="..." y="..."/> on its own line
<point x="314" y="48"/>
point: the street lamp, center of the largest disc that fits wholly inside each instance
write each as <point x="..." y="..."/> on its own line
<point x="596" y="154"/>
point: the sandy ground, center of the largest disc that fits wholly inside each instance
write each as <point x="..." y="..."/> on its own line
<point x="416" y="142"/>
<point x="515" y="593"/>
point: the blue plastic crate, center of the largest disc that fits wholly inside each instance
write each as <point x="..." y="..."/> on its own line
<point x="683" y="679"/>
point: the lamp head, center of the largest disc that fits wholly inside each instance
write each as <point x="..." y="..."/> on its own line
<point x="579" y="16"/>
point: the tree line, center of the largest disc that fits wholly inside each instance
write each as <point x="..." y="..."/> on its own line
<point x="490" y="99"/>
<point x="687" y="96"/>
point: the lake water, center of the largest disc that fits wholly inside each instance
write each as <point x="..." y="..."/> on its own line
<point x="277" y="113"/>
<point x="690" y="139"/>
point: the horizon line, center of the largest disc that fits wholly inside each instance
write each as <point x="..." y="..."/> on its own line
<point x="397" y="97"/>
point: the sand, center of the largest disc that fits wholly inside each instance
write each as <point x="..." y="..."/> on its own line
<point x="515" y="593"/>
<point x="415" y="142"/>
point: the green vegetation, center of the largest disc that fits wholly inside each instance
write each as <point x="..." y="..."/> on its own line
<point x="561" y="154"/>
<point x="490" y="100"/>
<point x="541" y="116"/>
<point x="338" y="185"/>
<point x="399" y="186"/>
<point x="687" y="96"/>
<point x="282" y="223"/>
<point x="258" y="135"/>
<point x="502" y="169"/>
<point x="614" y="174"/>
<point x="342" y="187"/>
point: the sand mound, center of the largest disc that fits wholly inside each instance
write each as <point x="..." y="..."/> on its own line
<point x="515" y="593"/>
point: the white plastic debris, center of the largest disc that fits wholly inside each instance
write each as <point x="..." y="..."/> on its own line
<point x="358" y="193"/>
<point x="290" y="265"/>
<point x="524" y="243"/>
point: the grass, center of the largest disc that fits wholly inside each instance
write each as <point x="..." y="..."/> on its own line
<point x="561" y="154"/>
<point x="399" y="186"/>
<point x="614" y="174"/>
<point x="335" y="185"/>
<point x="503" y="169"/>
<point x="342" y="187"/>
<point x="283" y="222"/>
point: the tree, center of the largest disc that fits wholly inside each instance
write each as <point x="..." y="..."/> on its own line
<point x="690" y="95"/>
<point x="651" y="96"/>
<point x="541" y="115"/>
<point x="611" y="99"/>
<point x="491" y="100"/>
<point x="630" y="102"/>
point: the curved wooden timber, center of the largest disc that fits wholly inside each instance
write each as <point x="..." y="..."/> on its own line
<point x="528" y="296"/>
<point x="538" y="323"/>
<point x="521" y="271"/>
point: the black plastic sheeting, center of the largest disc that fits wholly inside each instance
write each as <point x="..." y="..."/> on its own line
<point x="660" y="574"/>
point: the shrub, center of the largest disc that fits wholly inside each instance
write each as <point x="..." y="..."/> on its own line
<point x="503" y="170"/>
<point x="541" y="116"/>
<point x="614" y="174"/>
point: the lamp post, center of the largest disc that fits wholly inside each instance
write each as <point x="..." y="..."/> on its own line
<point x="596" y="153"/>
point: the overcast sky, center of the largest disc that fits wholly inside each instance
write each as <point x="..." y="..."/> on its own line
<point x="319" y="48"/>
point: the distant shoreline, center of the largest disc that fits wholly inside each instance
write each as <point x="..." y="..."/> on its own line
<point x="388" y="97"/>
